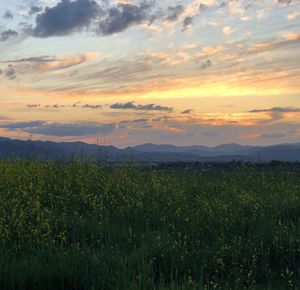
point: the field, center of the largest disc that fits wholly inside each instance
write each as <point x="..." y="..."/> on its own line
<point x="85" y="226"/>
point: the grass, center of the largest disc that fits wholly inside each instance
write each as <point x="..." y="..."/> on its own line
<point x="81" y="226"/>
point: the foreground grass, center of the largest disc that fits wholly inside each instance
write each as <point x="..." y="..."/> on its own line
<point x="77" y="226"/>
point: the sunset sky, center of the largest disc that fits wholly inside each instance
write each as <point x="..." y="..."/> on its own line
<point x="130" y="72"/>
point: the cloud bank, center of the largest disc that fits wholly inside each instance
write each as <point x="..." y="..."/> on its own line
<point x="65" y="18"/>
<point x="133" y="106"/>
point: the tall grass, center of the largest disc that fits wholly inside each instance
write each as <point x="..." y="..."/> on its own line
<point x="78" y="226"/>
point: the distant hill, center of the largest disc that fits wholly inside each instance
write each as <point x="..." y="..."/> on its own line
<point x="47" y="150"/>
<point x="227" y="152"/>
<point x="225" y="149"/>
<point x="59" y="150"/>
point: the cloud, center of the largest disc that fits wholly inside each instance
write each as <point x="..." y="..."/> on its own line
<point x="293" y="15"/>
<point x="32" y="59"/>
<point x="8" y="15"/>
<point x="56" y="106"/>
<point x="272" y="135"/>
<point x="76" y="104"/>
<point x="40" y="64"/>
<point x="277" y="113"/>
<point x="75" y="129"/>
<point x="174" y="12"/>
<point x="35" y="9"/>
<point x="136" y="123"/>
<point x="123" y="16"/>
<point x="88" y="106"/>
<point x="227" y="30"/>
<point x="187" y="111"/>
<point x="188" y="46"/>
<point x="59" y="106"/>
<point x="10" y="72"/>
<point x="58" y="64"/>
<point x="202" y="7"/>
<point x="284" y="1"/>
<point x="116" y="106"/>
<point x="276" y="110"/>
<point x="8" y="34"/>
<point x="187" y="23"/>
<point x="129" y="105"/>
<point x="65" y="18"/>
<point x="287" y="39"/>
<point x="133" y="106"/>
<point x="61" y="129"/>
<point x="275" y="135"/>
<point x="205" y="65"/>
<point x="22" y="125"/>
<point x="212" y="50"/>
<point x="73" y="16"/>
<point x="193" y="10"/>
<point x="139" y="121"/>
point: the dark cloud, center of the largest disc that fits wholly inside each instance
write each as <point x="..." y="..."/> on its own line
<point x="226" y="3"/>
<point x="125" y="106"/>
<point x="276" y="113"/>
<point x="122" y="16"/>
<point x="35" y="9"/>
<point x="44" y="58"/>
<point x="8" y="34"/>
<point x="66" y="17"/>
<point x="137" y="124"/>
<point x="187" y="111"/>
<point x="22" y="125"/>
<point x="8" y="15"/>
<point x="75" y="105"/>
<point x="74" y="129"/>
<point x="189" y="20"/>
<point x="202" y="7"/>
<point x="139" y="121"/>
<point x="153" y="107"/>
<point x="206" y="64"/>
<point x="284" y="1"/>
<point x="277" y="110"/>
<point x="72" y="16"/>
<point x="133" y="106"/>
<point x="59" y="106"/>
<point x="56" y="106"/>
<point x="61" y="129"/>
<point x="187" y="23"/>
<point x="11" y="72"/>
<point x="174" y="12"/>
<point x="88" y="106"/>
<point x="158" y="15"/>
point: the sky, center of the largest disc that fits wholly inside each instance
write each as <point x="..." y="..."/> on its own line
<point x="128" y="72"/>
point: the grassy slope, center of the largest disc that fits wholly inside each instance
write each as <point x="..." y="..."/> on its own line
<point x="80" y="227"/>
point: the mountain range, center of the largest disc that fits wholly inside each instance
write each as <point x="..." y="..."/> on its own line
<point x="11" y="149"/>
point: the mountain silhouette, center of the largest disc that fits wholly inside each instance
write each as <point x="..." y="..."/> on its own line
<point x="46" y="150"/>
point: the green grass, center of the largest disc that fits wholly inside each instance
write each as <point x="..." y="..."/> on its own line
<point x="78" y="226"/>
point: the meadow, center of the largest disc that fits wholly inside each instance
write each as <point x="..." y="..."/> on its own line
<point x="86" y="226"/>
